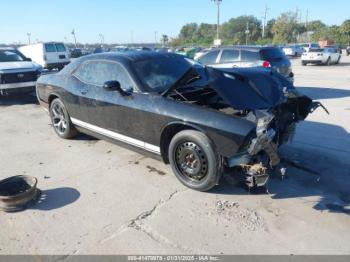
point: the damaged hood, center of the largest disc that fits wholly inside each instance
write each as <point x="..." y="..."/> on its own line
<point x="249" y="89"/>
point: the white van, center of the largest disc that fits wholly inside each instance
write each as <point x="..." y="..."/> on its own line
<point x="49" y="55"/>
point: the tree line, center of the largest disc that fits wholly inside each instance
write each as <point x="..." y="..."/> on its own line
<point x="285" y="29"/>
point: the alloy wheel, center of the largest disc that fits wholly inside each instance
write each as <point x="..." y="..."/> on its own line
<point x="59" y="119"/>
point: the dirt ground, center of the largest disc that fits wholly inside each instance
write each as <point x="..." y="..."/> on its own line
<point x="99" y="198"/>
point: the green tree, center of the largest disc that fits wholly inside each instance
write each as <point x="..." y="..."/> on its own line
<point x="233" y="31"/>
<point x="316" y="26"/>
<point x="188" y="32"/>
<point x="286" y="28"/>
<point x="345" y="28"/>
<point x="205" y="34"/>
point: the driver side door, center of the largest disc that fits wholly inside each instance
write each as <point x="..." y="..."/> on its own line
<point x="110" y="113"/>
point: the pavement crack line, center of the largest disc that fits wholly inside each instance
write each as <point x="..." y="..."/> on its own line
<point x="137" y="224"/>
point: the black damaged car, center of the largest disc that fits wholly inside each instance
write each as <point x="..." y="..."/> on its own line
<point x="201" y="120"/>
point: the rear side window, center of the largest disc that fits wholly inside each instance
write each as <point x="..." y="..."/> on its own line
<point x="229" y="56"/>
<point x="50" y="48"/>
<point x="99" y="72"/>
<point x="272" y="54"/>
<point x="209" y="58"/>
<point x="249" y="56"/>
<point x="60" y="47"/>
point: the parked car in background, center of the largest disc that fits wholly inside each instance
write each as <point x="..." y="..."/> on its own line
<point x="253" y="56"/>
<point x="293" y="50"/>
<point x="347" y="50"/>
<point x="76" y="53"/>
<point x="51" y="55"/>
<point x="99" y="50"/>
<point x="201" y="53"/>
<point x="321" y="56"/>
<point x="199" y="119"/>
<point x="18" y="74"/>
<point x="308" y="46"/>
<point x="337" y="47"/>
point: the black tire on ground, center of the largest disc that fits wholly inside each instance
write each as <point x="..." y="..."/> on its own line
<point x="60" y="120"/>
<point x="338" y="60"/>
<point x="328" y="63"/>
<point x="194" y="160"/>
<point x="303" y="63"/>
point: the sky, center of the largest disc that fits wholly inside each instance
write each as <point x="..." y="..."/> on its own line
<point x="137" y="20"/>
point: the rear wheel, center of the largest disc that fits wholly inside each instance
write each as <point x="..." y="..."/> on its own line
<point x="338" y="60"/>
<point x="194" y="160"/>
<point x="60" y="120"/>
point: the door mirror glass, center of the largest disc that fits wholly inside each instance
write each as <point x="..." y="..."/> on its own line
<point x="115" y="86"/>
<point x="112" y="86"/>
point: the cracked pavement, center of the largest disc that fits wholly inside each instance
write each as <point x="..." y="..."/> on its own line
<point x="99" y="198"/>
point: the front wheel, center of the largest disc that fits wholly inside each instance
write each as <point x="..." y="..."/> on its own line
<point x="303" y="63"/>
<point x="328" y="63"/>
<point x="60" y="120"/>
<point x="194" y="160"/>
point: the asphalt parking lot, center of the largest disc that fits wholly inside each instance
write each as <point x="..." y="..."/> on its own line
<point x="99" y="198"/>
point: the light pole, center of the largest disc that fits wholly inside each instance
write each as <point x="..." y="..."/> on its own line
<point x="75" y="38"/>
<point x="218" y="3"/>
<point x="102" y="39"/>
<point x="155" y="37"/>
<point x="29" y="35"/>
<point x="247" y="32"/>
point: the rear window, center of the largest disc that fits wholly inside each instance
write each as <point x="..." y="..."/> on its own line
<point x="272" y="54"/>
<point x="60" y="47"/>
<point x="50" y="48"/>
<point x="316" y="50"/>
<point x="249" y="56"/>
<point x="228" y="56"/>
<point x="209" y="58"/>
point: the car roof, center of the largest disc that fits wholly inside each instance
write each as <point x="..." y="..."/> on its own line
<point x="7" y="48"/>
<point x="132" y="56"/>
<point x="248" y="48"/>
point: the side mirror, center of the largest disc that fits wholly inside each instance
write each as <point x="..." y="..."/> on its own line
<point x="28" y="59"/>
<point x="115" y="86"/>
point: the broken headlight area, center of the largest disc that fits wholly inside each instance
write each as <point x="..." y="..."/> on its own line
<point x="258" y="159"/>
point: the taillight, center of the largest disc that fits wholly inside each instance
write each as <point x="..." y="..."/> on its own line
<point x="266" y="64"/>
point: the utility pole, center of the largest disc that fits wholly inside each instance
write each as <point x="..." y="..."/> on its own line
<point x="102" y="39"/>
<point x="29" y="35"/>
<point x="218" y="3"/>
<point x="75" y="38"/>
<point x="307" y="24"/>
<point x="247" y="32"/>
<point x="267" y="9"/>
<point x="155" y="37"/>
<point x="132" y="37"/>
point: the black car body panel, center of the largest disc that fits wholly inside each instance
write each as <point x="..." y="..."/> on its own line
<point x="228" y="105"/>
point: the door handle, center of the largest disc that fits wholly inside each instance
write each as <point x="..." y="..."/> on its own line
<point x="83" y="91"/>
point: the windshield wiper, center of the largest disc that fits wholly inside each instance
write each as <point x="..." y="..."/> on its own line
<point x="187" y="78"/>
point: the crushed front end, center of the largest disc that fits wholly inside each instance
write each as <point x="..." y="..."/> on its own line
<point x="258" y="157"/>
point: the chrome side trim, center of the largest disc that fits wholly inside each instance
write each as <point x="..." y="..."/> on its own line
<point x="117" y="136"/>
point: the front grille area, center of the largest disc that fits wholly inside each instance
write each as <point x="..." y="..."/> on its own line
<point x="19" y="77"/>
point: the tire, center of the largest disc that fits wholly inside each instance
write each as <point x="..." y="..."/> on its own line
<point x="338" y="60"/>
<point x="328" y="63"/>
<point x="60" y="120"/>
<point x="203" y="168"/>
<point x="303" y="63"/>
